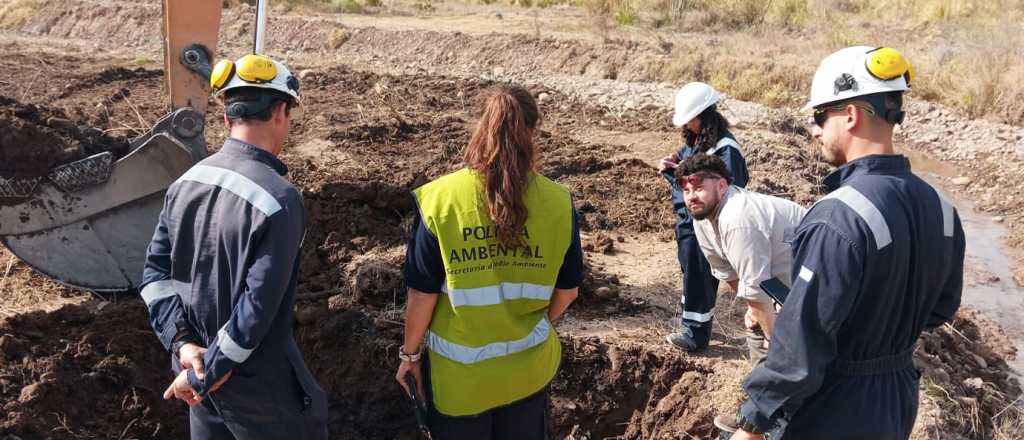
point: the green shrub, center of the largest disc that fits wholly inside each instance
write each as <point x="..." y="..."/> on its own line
<point x="625" y="13"/>
<point x="346" y="6"/>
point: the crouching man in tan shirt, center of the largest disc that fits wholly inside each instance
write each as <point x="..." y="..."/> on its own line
<point x="743" y="235"/>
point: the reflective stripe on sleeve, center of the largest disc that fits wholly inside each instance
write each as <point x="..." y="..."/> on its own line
<point x="230" y="348"/>
<point x="157" y="291"/>
<point x="471" y="355"/>
<point x="806" y="274"/>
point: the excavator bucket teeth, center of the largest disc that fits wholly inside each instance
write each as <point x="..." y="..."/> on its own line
<point x="95" y="237"/>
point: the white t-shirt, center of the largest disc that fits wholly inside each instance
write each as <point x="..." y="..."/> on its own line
<point x="745" y="241"/>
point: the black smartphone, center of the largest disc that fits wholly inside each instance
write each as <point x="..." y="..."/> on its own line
<point x="775" y="289"/>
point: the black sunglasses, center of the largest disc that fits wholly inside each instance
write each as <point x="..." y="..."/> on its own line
<point x="821" y="114"/>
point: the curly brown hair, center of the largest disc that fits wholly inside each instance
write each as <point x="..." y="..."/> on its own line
<point x="712" y="127"/>
<point x="702" y="164"/>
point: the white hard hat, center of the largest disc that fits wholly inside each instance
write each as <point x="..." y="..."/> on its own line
<point x="692" y="99"/>
<point x="257" y="71"/>
<point x="857" y="71"/>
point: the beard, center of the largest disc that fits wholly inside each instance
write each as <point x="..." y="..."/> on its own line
<point x="832" y="155"/>
<point x="702" y="212"/>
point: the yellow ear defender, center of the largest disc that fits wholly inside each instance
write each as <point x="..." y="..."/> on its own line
<point x="221" y="74"/>
<point x="256" y="69"/>
<point x="250" y="68"/>
<point x="887" y="64"/>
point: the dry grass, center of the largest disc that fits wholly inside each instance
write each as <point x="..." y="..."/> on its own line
<point x="1009" y="425"/>
<point x="16" y="12"/>
<point x="767" y="51"/>
<point x="337" y="37"/>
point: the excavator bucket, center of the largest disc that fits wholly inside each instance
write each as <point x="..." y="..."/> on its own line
<point x="88" y="223"/>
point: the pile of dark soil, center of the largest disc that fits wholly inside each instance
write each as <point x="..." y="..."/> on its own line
<point x="34" y="139"/>
<point x="385" y="135"/>
<point x="74" y="374"/>
<point x="633" y="391"/>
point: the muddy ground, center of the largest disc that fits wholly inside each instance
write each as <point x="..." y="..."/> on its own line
<point x="367" y="139"/>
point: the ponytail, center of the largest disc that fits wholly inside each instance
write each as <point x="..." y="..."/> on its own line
<point x="502" y="151"/>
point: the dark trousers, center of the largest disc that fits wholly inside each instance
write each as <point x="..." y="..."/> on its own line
<point x="858" y="403"/>
<point x="526" y="419"/>
<point x="700" y="289"/>
<point x="257" y="407"/>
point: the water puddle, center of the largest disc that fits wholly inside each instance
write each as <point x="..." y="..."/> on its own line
<point x="988" y="277"/>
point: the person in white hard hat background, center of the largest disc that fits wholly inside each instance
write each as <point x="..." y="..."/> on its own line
<point x="876" y="261"/>
<point x="705" y="131"/>
<point x="221" y="269"/>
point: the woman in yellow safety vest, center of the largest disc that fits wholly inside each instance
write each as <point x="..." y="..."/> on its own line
<point x="494" y="257"/>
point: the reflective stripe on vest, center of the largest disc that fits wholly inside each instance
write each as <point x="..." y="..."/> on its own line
<point x="472" y="355"/>
<point x="491" y="295"/>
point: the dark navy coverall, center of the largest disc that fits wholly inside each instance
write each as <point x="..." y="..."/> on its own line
<point x="876" y="261"/>
<point x="221" y="270"/>
<point x="700" y="288"/>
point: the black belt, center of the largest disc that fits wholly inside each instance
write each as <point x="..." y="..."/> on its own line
<point x="885" y="364"/>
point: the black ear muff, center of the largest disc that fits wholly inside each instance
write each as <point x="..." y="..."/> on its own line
<point x="895" y="116"/>
<point x="237" y="110"/>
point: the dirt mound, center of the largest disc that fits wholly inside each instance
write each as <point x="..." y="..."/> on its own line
<point x="633" y="391"/>
<point x="34" y="139"/>
<point x="73" y="373"/>
<point x="965" y="372"/>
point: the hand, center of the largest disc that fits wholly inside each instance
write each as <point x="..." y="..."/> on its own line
<point x="749" y="320"/>
<point x="668" y="162"/>
<point x="414" y="368"/>
<point x="191" y="356"/>
<point x="181" y="389"/>
<point x="744" y="435"/>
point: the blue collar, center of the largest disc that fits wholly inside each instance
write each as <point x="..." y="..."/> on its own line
<point x="890" y="164"/>
<point x="245" y="150"/>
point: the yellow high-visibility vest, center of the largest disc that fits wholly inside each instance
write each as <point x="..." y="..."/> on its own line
<point x="490" y="343"/>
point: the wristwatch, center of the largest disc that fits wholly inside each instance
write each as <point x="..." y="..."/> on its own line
<point x="410" y="357"/>
<point x="184" y="336"/>
<point x="176" y="345"/>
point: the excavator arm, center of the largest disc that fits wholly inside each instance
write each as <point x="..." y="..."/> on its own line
<point x="87" y="223"/>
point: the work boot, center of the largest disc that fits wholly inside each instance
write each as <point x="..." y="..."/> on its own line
<point x="726" y="425"/>
<point x="685" y="340"/>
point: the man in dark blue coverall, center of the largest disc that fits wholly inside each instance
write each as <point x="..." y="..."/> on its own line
<point x="221" y="271"/>
<point x="876" y="261"/>
<point x="705" y="131"/>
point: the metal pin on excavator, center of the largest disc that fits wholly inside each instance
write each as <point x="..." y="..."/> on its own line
<point x="87" y="223"/>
